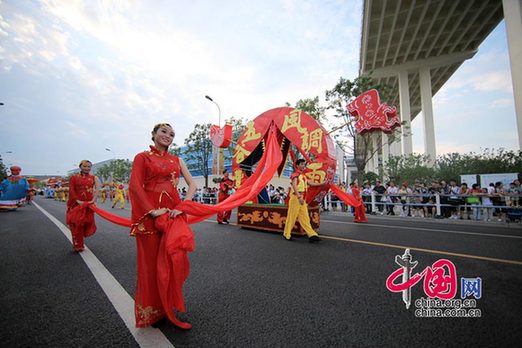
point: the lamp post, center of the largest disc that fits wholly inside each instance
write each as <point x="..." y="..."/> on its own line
<point x="219" y="124"/>
<point x="109" y="150"/>
<point x="9" y="152"/>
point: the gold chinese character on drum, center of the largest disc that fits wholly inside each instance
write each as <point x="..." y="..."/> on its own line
<point x="294" y="127"/>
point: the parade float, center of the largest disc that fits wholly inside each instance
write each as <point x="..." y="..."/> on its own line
<point x="293" y="127"/>
<point x="13" y="190"/>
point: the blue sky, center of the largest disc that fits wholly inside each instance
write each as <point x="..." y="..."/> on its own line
<point x="77" y="79"/>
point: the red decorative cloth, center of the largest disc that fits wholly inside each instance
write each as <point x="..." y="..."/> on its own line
<point x="79" y="217"/>
<point x="173" y="264"/>
<point x="345" y="197"/>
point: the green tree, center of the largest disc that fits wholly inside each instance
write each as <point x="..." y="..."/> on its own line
<point x="312" y="107"/>
<point x="452" y="165"/>
<point x="370" y="177"/>
<point x="175" y="150"/>
<point x="3" y="170"/>
<point x="199" y="150"/>
<point x="118" y="169"/>
<point x="410" y="168"/>
<point x="360" y="145"/>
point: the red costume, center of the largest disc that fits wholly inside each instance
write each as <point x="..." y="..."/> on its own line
<point x="162" y="242"/>
<point x="224" y="187"/>
<point x="359" y="211"/>
<point x="79" y="217"/>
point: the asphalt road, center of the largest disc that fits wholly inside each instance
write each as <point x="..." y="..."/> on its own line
<point x="253" y="289"/>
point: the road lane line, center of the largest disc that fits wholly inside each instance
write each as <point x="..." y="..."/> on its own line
<point x="431" y="251"/>
<point x="424" y="229"/>
<point x="402" y="247"/>
<point x="120" y="299"/>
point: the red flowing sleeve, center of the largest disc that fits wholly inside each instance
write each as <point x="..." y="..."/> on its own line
<point x="139" y="198"/>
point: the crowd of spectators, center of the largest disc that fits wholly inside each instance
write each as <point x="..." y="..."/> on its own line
<point x="490" y="202"/>
<point x="493" y="201"/>
<point x="206" y="195"/>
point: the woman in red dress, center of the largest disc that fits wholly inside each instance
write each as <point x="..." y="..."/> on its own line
<point x="83" y="191"/>
<point x="153" y="193"/>
<point x="225" y="186"/>
<point x="359" y="211"/>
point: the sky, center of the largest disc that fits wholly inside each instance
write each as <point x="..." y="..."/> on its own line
<point x="80" y="77"/>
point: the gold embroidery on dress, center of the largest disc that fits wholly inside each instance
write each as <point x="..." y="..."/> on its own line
<point x="148" y="315"/>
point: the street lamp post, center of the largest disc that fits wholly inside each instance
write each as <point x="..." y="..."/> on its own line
<point x="9" y="152"/>
<point x="109" y="150"/>
<point x="219" y="124"/>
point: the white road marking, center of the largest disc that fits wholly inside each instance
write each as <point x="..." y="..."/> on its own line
<point x="120" y="299"/>
<point x="425" y="229"/>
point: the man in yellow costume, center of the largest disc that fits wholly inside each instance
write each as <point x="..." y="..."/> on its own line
<point x="103" y="194"/>
<point x="297" y="206"/>
<point x="119" y="196"/>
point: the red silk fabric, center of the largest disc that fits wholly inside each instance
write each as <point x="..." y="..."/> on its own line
<point x="266" y="168"/>
<point x="197" y="212"/>
<point x="221" y="137"/>
<point x="115" y="219"/>
<point x="345" y="197"/>
<point x="173" y="264"/>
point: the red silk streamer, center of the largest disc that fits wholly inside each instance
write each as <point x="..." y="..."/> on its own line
<point x="197" y="212"/>
<point x="115" y="219"/>
<point x="173" y="263"/>
<point x="345" y="197"/>
<point x="266" y="169"/>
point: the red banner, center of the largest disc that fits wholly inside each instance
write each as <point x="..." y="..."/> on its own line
<point x="345" y="197"/>
<point x="370" y="114"/>
<point x="221" y="137"/>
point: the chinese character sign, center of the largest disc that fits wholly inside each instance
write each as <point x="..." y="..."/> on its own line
<point x="371" y="115"/>
<point x="294" y="127"/>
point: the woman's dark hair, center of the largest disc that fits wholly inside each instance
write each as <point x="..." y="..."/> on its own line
<point x="299" y="161"/>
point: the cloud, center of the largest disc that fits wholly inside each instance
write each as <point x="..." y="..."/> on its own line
<point x="506" y="102"/>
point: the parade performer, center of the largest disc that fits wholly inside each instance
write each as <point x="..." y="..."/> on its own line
<point x="103" y="195"/>
<point x="162" y="234"/>
<point x="119" y="196"/>
<point x="225" y="186"/>
<point x="359" y="210"/>
<point x="13" y="190"/>
<point x="83" y="191"/>
<point x="297" y="206"/>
